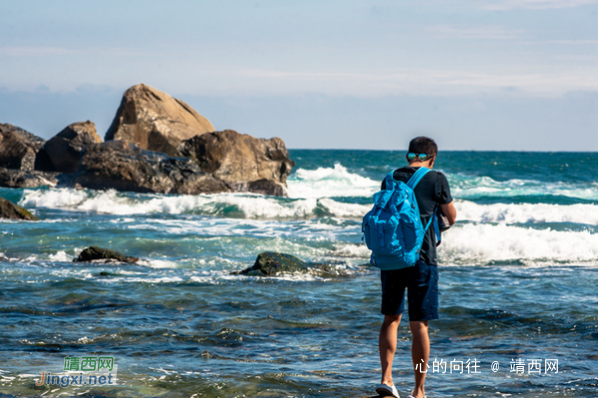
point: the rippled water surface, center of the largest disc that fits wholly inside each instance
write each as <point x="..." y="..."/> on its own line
<point x="518" y="285"/>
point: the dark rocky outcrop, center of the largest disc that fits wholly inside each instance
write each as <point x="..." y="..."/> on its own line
<point x="11" y="178"/>
<point x="263" y="186"/>
<point x="18" y="148"/>
<point x="63" y="152"/>
<point x="152" y="119"/>
<point x="246" y="163"/>
<point x="125" y="167"/>
<point x="156" y="143"/>
<point x="274" y="264"/>
<point x="14" y="212"/>
<point x="97" y="253"/>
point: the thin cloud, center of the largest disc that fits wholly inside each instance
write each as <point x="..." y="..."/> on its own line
<point x="573" y="42"/>
<point x="416" y="81"/>
<point x="34" y="51"/>
<point x="532" y="4"/>
<point x="61" y="51"/>
<point x="565" y="43"/>
<point x="481" y="32"/>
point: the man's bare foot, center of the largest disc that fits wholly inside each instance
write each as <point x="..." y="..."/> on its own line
<point x="417" y="394"/>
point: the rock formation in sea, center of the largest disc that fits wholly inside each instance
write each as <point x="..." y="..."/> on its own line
<point x="152" y="119"/>
<point x="14" y="212"/>
<point x="63" y="151"/>
<point x="18" y="153"/>
<point x="125" y="167"/>
<point x="18" y="148"/>
<point x="246" y="163"/>
<point x="156" y="143"/>
<point x="275" y="264"/>
<point x="94" y="253"/>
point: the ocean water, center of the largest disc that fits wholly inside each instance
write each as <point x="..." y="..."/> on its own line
<point x="518" y="279"/>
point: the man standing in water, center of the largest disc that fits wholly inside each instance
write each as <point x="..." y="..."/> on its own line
<point x="420" y="281"/>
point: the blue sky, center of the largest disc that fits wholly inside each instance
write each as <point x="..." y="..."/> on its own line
<point x="483" y="75"/>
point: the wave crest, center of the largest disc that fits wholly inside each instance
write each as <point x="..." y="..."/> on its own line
<point x="485" y="244"/>
<point x="528" y="213"/>
<point x="330" y="182"/>
<point x="222" y="205"/>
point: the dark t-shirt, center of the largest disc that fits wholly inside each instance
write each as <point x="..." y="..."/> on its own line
<point x="432" y="190"/>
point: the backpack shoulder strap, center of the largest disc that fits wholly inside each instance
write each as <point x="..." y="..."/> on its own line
<point x="412" y="183"/>
<point x="389" y="179"/>
<point x="417" y="176"/>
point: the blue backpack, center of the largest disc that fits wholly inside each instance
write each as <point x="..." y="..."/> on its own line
<point x="393" y="229"/>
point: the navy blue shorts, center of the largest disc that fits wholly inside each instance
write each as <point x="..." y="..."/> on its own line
<point x="421" y="282"/>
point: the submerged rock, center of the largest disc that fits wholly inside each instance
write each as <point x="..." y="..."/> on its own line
<point x="97" y="253"/>
<point x="18" y="148"/>
<point x="152" y="119"/>
<point x="63" y="152"/>
<point x="125" y="167"/>
<point x="12" y="178"/>
<point x="274" y="264"/>
<point x="15" y="212"/>
<point x="246" y="163"/>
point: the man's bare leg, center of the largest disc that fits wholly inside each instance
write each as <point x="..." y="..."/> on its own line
<point x="387" y="344"/>
<point x="420" y="349"/>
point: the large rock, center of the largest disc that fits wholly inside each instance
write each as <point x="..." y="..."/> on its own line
<point x="275" y="264"/>
<point x="156" y="121"/>
<point x="246" y="163"/>
<point x="14" y="212"/>
<point x="125" y="167"/>
<point x="94" y="253"/>
<point x="18" y="148"/>
<point x="11" y="178"/>
<point x="63" y="152"/>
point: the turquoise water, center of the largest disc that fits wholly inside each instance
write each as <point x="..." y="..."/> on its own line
<point x="517" y="281"/>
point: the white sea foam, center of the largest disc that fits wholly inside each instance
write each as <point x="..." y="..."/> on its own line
<point x="340" y="209"/>
<point x="61" y="256"/>
<point x="223" y="205"/>
<point x="158" y="263"/>
<point x="109" y="202"/>
<point x="464" y="187"/>
<point x="330" y="182"/>
<point x="223" y="232"/>
<point x="586" y="214"/>
<point x="484" y="243"/>
<point x="352" y="250"/>
<point x="54" y="198"/>
<point x="312" y="191"/>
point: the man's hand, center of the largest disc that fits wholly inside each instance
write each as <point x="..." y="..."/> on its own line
<point x="450" y="212"/>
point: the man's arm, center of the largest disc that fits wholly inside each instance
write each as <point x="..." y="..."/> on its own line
<point x="450" y="212"/>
